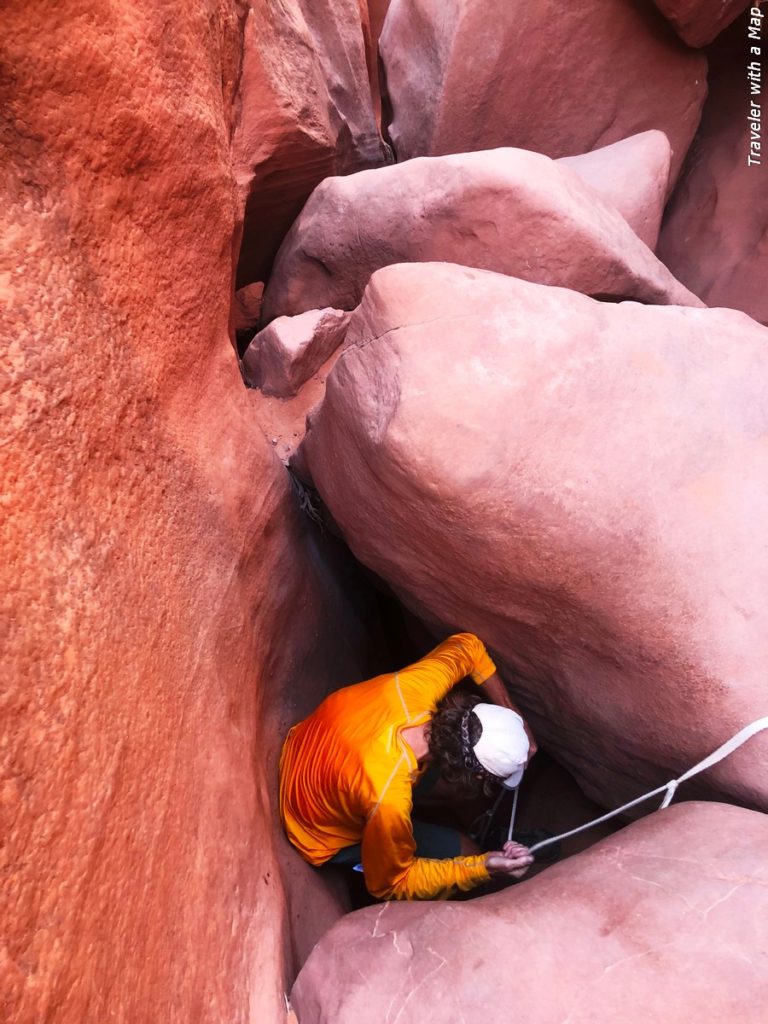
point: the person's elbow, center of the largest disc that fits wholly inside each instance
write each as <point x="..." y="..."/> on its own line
<point x="389" y="885"/>
<point x="390" y="888"/>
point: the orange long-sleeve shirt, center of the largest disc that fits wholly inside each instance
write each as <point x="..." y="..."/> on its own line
<point x="346" y="774"/>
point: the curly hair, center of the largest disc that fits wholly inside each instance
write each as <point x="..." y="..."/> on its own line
<point x="451" y="734"/>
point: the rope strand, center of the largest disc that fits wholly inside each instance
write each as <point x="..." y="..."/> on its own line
<point x="669" y="788"/>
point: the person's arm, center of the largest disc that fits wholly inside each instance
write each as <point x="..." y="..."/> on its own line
<point x="427" y="681"/>
<point x="496" y="692"/>
<point x="390" y="866"/>
<point x="393" y="871"/>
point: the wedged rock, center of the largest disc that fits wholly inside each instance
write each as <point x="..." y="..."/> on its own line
<point x="631" y="175"/>
<point x="290" y="349"/>
<point x="506" y="210"/>
<point x="305" y="111"/>
<point x="246" y="307"/>
<point x="698" y="22"/>
<point x="715" y="231"/>
<point x="665" y="922"/>
<point x="580" y="483"/>
<point x="560" y="79"/>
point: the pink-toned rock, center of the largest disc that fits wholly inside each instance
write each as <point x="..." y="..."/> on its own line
<point x="506" y="210"/>
<point x="557" y="78"/>
<point x="305" y="111"/>
<point x="665" y="922"/>
<point x="715" y="231"/>
<point x="631" y="175"/>
<point x="289" y="350"/>
<point x="161" y="591"/>
<point x="246" y="307"/>
<point x="697" y="22"/>
<point x="580" y="483"/>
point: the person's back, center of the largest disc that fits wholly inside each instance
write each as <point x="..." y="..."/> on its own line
<point x="334" y="765"/>
<point x="346" y="775"/>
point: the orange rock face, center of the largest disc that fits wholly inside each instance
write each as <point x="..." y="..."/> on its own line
<point x="151" y="582"/>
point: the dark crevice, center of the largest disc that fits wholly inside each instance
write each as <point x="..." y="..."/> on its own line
<point x="550" y="800"/>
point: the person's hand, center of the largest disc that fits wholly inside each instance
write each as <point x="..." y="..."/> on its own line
<point x="513" y="860"/>
<point x="532" y="744"/>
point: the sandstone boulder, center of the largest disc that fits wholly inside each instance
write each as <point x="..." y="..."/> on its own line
<point x="715" y="231"/>
<point x="305" y="111"/>
<point x="582" y="485"/>
<point x="507" y="210"/>
<point x="289" y="350"/>
<point x="665" y="922"/>
<point x="697" y="22"/>
<point x="631" y="175"/>
<point x="557" y="78"/>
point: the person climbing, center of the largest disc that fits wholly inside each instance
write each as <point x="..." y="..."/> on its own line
<point x="347" y="773"/>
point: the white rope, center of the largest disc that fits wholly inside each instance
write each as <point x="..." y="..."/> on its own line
<point x="668" y="788"/>
<point x="513" y="815"/>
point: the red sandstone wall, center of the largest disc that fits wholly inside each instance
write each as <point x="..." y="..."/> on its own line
<point x="153" y="538"/>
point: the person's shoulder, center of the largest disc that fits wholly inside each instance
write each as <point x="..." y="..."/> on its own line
<point x="383" y="759"/>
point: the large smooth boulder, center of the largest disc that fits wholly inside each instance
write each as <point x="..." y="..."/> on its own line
<point x="633" y="176"/>
<point x="715" y="231"/>
<point x="506" y="210"/>
<point x="161" y="589"/>
<point x="557" y="78"/>
<point x="698" y="22"/>
<point x="582" y="484"/>
<point x="666" y="922"/>
<point x="305" y="110"/>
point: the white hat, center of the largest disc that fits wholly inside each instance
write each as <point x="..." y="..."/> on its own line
<point x="503" y="747"/>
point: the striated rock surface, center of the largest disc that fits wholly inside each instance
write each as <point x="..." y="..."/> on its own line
<point x="305" y="111"/>
<point x="559" y="79"/>
<point x="506" y="210"/>
<point x="665" y="922"/>
<point x="715" y="231"/>
<point x="697" y="22"/>
<point x="285" y="354"/>
<point x="582" y="485"/>
<point x="631" y="175"/>
<point x="158" y="582"/>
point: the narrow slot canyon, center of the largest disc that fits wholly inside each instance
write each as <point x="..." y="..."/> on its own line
<point x="334" y="328"/>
